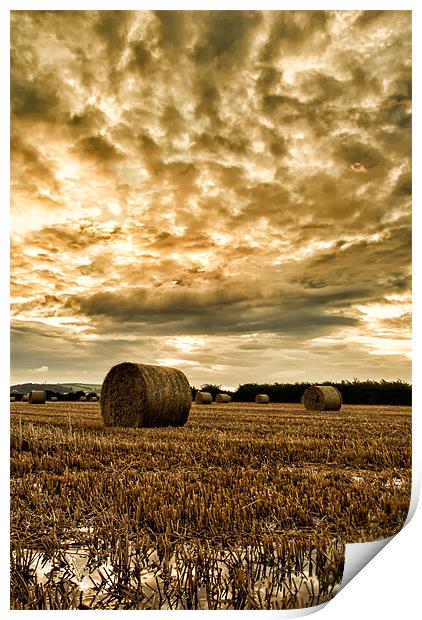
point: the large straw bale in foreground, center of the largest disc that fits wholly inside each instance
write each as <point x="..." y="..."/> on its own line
<point x="322" y="398"/>
<point x="262" y="399"/>
<point x="223" y="398"/>
<point x="37" y="397"/>
<point x="136" y="395"/>
<point x="203" y="398"/>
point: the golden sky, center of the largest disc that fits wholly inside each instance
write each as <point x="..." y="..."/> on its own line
<point x="227" y="192"/>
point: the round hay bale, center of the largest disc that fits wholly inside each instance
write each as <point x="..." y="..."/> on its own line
<point x="12" y="399"/>
<point x="262" y="399"/>
<point x="93" y="399"/>
<point x="142" y="395"/>
<point x="53" y="399"/>
<point x="203" y="398"/>
<point x="25" y="398"/>
<point x="37" y="397"/>
<point x="223" y="398"/>
<point x="322" y="398"/>
<point x="82" y="398"/>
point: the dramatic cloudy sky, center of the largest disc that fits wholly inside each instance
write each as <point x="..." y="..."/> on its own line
<point x="225" y="192"/>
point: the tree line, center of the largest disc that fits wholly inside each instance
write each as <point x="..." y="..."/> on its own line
<point x="353" y="392"/>
<point x="67" y="396"/>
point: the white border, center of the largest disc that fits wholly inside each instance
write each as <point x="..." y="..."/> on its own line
<point x="389" y="585"/>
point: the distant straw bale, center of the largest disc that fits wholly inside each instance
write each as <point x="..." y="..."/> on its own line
<point x="53" y="399"/>
<point x="142" y="395"/>
<point x="203" y="398"/>
<point x="25" y="398"/>
<point x="223" y="398"/>
<point x="322" y="398"/>
<point x="12" y="399"/>
<point x="37" y="397"/>
<point x="82" y="398"/>
<point x="262" y="399"/>
<point x="93" y="399"/>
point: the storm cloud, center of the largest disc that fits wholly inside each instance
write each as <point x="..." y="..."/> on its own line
<point x="188" y="184"/>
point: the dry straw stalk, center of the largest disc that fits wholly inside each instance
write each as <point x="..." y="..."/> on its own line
<point x="322" y="398"/>
<point x="37" y="397"/>
<point x="262" y="399"/>
<point x="141" y="395"/>
<point x="203" y="398"/>
<point x="223" y="398"/>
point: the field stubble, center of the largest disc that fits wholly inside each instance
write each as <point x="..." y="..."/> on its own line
<point x="242" y="508"/>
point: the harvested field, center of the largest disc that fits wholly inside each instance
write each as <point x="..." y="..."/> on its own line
<point x="242" y="508"/>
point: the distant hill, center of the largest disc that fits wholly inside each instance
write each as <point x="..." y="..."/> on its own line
<point x="61" y="388"/>
<point x="86" y="387"/>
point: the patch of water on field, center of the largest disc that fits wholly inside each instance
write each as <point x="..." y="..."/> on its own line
<point x="395" y="482"/>
<point x="97" y="583"/>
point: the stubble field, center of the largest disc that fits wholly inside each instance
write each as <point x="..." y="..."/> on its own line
<point x="245" y="507"/>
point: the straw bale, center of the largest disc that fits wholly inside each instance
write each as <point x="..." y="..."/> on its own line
<point x="142" y="395"/>
<point x="37" y="397"/>
<point x="203" y="398"/>
<point x="12" y="399"/>
<point x="54" y="399"/>
<point x="322" y="398"/>
<point x="262" y="399"/>
<point x="223" y="398"/>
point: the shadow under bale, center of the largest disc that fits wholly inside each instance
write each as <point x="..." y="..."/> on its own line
<point x="142" y="395"/>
